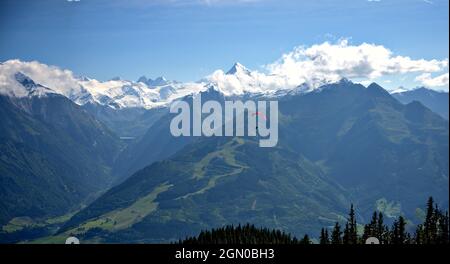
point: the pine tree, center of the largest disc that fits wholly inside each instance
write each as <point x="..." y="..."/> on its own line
<point x="419" y="235"/>
<point x="382" y="231"/>
<point x="367" y="232"/>
<point x="444" y="229"/>
<point x="322" y="236"/>
<point x="398" y="234"/>
<point x="305" y="240"/>
<point x="386" y="236"/>
<point x="346" y="236"/>
<point x="401" y="230"/>
<point x="370" y="230"/>
<point x="442" y="235"/>
<point x="324" y="239"/>
<point x="353" y="237"/>
<point x="336" y="234"/>
<point x="395" y="233"/>
<point x="430" y="225"/>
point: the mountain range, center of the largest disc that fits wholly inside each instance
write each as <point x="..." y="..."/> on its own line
<point x="54" y="156"/>
<point x="102" y="156"/>
<point x="436" y="101"/>
<point x="346" y="143"/>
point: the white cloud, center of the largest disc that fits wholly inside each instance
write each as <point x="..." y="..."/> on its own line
<point x="244" y="80"/>
<point x="61" y="81"/>
<point x="329" y="62"/>
<point x="427" y="80"/>
<point x="323" y="63"/>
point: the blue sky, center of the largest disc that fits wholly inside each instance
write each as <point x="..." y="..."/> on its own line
<point x="188" y="39"/>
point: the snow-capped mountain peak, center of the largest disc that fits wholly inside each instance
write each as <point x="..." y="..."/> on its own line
<point x="159" y="81"/>
<point x="32" y="88"/>
<point x="142" y="79"/>
<point x="400" y="89"/>
<point x="145" y="93"/>
<point x="24" y="80"/>
<point x="83" y="78"/>
<point x="238" y="68"/>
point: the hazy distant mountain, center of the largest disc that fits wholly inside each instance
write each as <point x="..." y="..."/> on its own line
<point x="341" y="143"/>
<point x="159" y="81"/>
<point x="54" y="156"/>
<point x="436" y="101"/>
<point x="127" y="123"/>
<point x="157" y="143"/>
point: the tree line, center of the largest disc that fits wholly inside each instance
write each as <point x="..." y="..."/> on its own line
<point x="434" y="230"/>
<point x="244" y="235"/>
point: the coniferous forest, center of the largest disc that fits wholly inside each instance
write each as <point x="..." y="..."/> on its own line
<point x="434" y="230"/>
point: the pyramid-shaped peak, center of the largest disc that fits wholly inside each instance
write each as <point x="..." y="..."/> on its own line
<point x="142" y="79"/>
<point x="32" y="87"/>
<point x="377" y="90"/>
<point x="345" y="81"/>
<point x="376" y="87"/>
<point x="237" y="67"/>
<point x="159" y="81"/>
